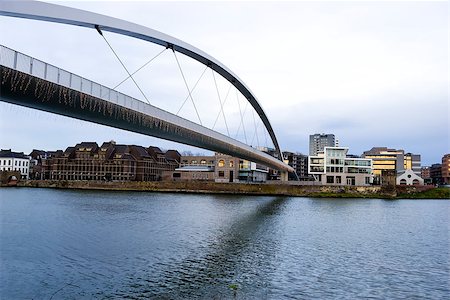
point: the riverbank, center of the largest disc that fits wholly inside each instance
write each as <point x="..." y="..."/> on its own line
<point x="250" y="189"/>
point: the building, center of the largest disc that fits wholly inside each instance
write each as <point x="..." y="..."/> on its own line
<point x="15" y="161"/>
<point x="146" y="166"/>
<point x="108" y="162"/>
<point x="193" y="168"/>
<point x="445" y="169"/>
<point x="252" y="172"/>
<point x="425" y="172"/>
<point x="412" y="162"/>
<point x="333" y="167"/>
<point x="218" y="168"/>
<point x="408" y="177"/>
<point x="317" y="142"/>
<point x="385" y="159"/>
<point x="299" y="162"/>
<point x="436" y="174"/>
<point x="226" y="168"/>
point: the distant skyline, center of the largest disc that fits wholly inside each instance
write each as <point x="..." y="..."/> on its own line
<point x="372" y="73"/>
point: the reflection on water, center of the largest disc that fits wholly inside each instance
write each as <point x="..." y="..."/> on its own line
<point x="85" y="244"/>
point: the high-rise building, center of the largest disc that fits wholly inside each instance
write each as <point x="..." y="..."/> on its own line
<point x="318" y="142"/>
<point x="445" y="169"/>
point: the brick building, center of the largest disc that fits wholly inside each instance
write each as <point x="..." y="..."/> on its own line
<point x="110" y="161"/>
<point x="445" y="169"/>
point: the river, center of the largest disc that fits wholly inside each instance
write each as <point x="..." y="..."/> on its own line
<point x="71" y="244"/>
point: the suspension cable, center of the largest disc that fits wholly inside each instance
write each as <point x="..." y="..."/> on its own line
<point x="220" y="101"/>
<point x="256" y="129"/>
<point x="123" y="65"/>
<point x="218" y="115"/>
<point x="242" y="117"/>
<point x="140" y="68"/>
<point x="265" y="137"/>
<point x="187" y="87"/>
<point x="195" y="85"/>
<point x="243" y="123"/>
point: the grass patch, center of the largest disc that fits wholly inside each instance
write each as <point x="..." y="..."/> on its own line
<point x="437" y="193"/>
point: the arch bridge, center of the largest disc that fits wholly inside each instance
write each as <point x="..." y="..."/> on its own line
<point x="29" y="82"/>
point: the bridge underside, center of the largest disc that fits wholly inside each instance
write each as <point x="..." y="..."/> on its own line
<point x="30" y="91"/>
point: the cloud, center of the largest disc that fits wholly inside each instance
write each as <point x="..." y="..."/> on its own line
<point x="373" y="73"/>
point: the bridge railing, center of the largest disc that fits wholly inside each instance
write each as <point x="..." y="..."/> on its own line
<point x="32" y="66"/>
<point x="27" y="64"/>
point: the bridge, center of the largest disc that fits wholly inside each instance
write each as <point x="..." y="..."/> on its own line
<point x="29" y="82"/>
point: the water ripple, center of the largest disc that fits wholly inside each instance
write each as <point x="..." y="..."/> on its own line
<point x="109" y="245"/>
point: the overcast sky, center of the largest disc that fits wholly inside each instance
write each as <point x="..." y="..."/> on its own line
<point x="372" y="73"/>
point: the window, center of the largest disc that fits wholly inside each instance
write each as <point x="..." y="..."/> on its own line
<point x="194" y="162"/>
<point x="15" y="163"/>
<point x="338" y="179"/>
<point x="203" y="162"/>
<point x="221" y="164"/>
<point x="416" y="182"/>
<point x="351" y="180"/>
<point x="316" y="169"/>
<point x="221" y="174"/>
<point x="176" y="175"/>
<point x="403" y="182"/>
<point x="4" y="162"/>
<point x="231" y="163"/>
<point x="330" y="179"/>
<point x="367" y="180"/>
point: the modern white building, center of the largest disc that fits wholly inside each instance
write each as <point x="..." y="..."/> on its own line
<point x="15" y="161"/>
<point x="332" y="167"/>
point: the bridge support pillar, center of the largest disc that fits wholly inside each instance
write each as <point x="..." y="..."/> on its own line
<point x="284" y="176"/>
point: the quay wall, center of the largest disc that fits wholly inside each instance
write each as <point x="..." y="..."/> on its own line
<point x="222" y="188"/>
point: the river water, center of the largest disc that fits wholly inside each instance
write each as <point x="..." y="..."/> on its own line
<point x="64" y="244"/>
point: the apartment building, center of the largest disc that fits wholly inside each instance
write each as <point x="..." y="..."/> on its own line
<point x="333" y="167"/>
